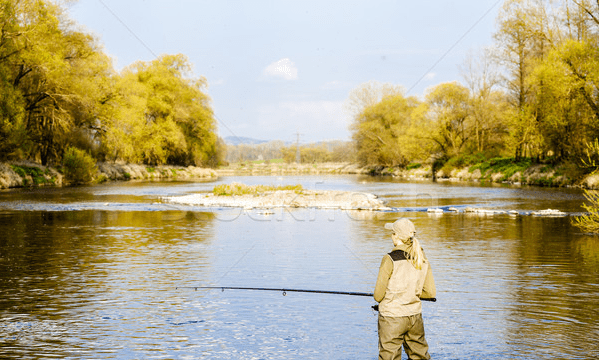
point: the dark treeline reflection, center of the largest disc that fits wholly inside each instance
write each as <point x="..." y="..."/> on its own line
<point x="52" y="261"/>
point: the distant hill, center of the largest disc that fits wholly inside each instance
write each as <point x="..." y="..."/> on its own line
<point x="237" y="140"/>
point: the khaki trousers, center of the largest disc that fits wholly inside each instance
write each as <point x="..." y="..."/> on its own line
<point x="406" y="331"/>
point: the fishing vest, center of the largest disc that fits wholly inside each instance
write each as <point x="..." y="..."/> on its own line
<point x="402" y="295"/>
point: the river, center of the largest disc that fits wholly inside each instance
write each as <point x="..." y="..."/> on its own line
<point x="93" y="272"/>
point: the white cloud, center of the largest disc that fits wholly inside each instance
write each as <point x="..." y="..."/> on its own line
<point x="284" y="68"/>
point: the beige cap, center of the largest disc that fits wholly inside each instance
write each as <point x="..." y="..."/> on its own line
<point x="403" y="227"/>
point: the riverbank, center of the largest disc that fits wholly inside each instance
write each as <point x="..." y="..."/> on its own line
<point x="537" y="174"/>
<point x="24" y="173"/>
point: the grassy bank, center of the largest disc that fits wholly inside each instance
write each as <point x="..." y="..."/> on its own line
<point x="496" y="170"/>
<point x="499" y="170"/>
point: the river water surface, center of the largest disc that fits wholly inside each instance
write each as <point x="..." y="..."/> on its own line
<point x="93" y="272"/>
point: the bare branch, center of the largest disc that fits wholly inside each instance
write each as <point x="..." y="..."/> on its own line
<point x="590" y="13"/>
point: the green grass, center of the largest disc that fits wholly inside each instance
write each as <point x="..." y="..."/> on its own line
<point x="413" y="166"/>
<point x="37" y="175"/>
<point x="506" y="166"/>
<point x="242" y="189"/>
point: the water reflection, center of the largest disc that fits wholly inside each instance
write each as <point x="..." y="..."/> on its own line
<point x="521" y="287"/>
<point x="99" y="281"/>
<point x="69" y="279"/>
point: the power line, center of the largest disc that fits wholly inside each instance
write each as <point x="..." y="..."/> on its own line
<point x="454" y="45"/>
<point x="153" y="53"/>
<point x="128" y="29"/>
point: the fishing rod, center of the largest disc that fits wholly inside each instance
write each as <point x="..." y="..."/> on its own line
<point x="285" y="291"/>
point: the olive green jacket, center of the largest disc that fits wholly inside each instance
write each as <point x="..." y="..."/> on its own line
<point x="400" y="286"/>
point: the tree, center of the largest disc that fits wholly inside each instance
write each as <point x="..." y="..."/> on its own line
<point x="55" y="73"/>
<point x="551" y="57"/>
<point x="163" y="116"/>
<point x="11" y="101"/>
<point x="515" y="39"/>
<point x="451" y="123"/>
<point x="58" y="89"/>
<point x="369" y="94"/>
<point x="567" y="94"/>
<point x="486" y="104"/>
<point x="384" y="134"/>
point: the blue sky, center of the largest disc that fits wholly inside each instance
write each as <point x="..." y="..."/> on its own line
<point x="277" y="68"/>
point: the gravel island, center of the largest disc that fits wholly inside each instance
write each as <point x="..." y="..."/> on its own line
<point x="344" y="200"/>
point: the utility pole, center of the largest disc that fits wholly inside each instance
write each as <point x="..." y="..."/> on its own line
<point x="298" y="147"/>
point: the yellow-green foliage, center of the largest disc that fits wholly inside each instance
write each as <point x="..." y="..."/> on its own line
<point x="384" y="132"/>
<point x="589" y="222"/>
<point x="242" y="189"/>
<point x="79" y="166"/>
<point x="58" y="89"/>
<point x="164" y="115"/>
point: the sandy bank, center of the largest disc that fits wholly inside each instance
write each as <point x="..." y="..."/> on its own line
<point x="285" y="199"/>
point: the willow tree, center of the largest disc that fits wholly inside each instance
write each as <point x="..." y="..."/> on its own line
<point x="451" y="123"/>
<point x="163" y="116"/>
<point x="55" y="72"/>
<point x="11" y="101"/>
<point x="384" y="133"/>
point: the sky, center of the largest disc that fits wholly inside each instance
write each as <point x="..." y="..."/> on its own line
<point x="283" y="70"/>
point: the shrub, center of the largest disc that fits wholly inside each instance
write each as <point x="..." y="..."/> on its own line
<point x="589" y="222"/>
<point x="101" y="179"/>
<point x="79" y="167"/>
<point x="242" y="189"/>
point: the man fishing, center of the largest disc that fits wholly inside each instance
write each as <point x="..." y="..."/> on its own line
<point x="404" y="278"/>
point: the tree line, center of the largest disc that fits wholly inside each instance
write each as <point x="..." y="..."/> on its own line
<point x="533" y="94"/>
<point x="59" y="90"/>
<point x="328" y="151"/>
